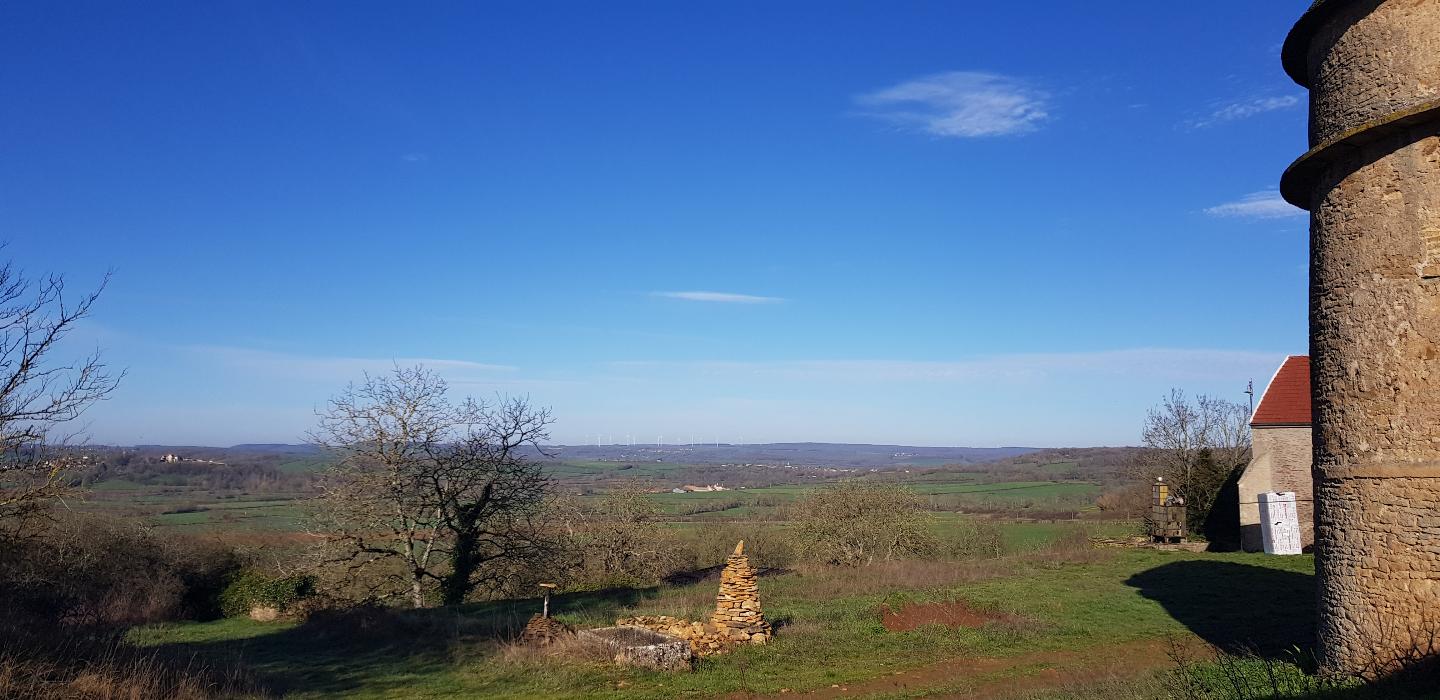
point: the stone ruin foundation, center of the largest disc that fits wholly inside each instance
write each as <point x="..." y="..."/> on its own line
<point x="1371" y="181"/>
<point x="636" y="646"/>
<point x="738" y="618"/>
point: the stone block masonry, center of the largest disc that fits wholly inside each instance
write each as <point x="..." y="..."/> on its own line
<point x="1371" y="181"/>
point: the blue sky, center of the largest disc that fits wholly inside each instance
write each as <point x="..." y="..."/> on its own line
<point x="928" y="223"/>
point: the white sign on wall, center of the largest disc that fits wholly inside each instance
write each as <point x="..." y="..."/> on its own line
<point x="1279" y="523"/>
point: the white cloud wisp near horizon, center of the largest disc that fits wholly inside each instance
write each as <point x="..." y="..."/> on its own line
<point x="1171" y="363"/>
<point x="1243" y="109"/>
<point x="315" y="367"/>
<point x="718" y="297"/>
<point x="960" y="104"/>
<point x="1265" y="204"/>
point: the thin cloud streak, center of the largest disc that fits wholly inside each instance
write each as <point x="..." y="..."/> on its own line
<point x="719" y="297"/>
<point x="1244" y="109"/>
<point x="1020" y="367"/>
<point x="960" y="104"/>
<point x="319" y="367"/>
<point x="1265" y="204"/>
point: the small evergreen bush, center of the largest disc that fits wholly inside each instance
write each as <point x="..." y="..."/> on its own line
<point x="253" y="589"/>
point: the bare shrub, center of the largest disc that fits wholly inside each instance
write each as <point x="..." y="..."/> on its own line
<point x="1129" y="501"/>
<point x="855" y="523"/>
<point x="45" y="666"/>
<point x="767" y="546"/>
<point x="821" y="581"/>
<point x="89" y="571"/>
<point x="973" y="538"/>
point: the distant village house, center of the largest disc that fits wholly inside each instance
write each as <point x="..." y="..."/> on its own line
<point x="1280" y="452"/>
<point x="692" y="488"/>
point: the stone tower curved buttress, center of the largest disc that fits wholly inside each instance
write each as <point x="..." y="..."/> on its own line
<point x="1371" y="181"/>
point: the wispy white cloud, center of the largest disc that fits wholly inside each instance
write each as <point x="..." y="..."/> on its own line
<point x="1243" y="109"/>
<point x="336" y="368"/>
<point x="720" y="297"/>
<point x="415" y="157"/>
<point x="1170" y="363"/>
<point x="962" y="104"/>
<point x="1266" y="204"/>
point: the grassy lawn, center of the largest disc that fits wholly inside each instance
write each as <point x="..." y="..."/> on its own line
<point x="829" y="627"/>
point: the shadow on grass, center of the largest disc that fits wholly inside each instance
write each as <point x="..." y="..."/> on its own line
<point x="387" y="650"/>
<point x="1239" y="608"/>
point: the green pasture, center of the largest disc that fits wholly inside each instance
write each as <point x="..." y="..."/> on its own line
<point x="829" y="629"/>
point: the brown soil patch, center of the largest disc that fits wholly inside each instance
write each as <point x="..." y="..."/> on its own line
<point x="952" y="615"/>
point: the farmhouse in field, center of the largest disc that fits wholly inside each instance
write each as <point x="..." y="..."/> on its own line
<point x="1280" y="454"/>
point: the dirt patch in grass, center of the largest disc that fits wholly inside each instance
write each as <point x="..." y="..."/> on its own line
<point x="953" y="615"/>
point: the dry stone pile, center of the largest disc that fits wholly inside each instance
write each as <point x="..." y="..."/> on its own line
<point x="737" y="608"/>
<point x="738" y="618"/>
<point x="541" y="630"/>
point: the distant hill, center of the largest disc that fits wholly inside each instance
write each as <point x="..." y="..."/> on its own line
<point x="809" y="454"/>
<point x="276" y="448"/>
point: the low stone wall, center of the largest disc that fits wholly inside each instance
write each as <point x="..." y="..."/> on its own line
<point x="705" y="638"/>
<point x="636" y="646"/>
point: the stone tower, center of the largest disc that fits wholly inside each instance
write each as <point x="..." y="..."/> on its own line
<point x="1371" y="181"/>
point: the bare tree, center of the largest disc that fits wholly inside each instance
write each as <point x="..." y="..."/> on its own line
<point x="1196" y="445"/>
<point x="426" y="492"/>
<point x="39" y="395"/>
<point x="491" y="496"/>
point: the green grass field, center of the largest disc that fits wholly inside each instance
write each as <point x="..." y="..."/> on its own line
<point x="830" y="631"/>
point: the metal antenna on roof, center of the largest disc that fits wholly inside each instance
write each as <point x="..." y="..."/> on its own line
<point x="1250" y="389"/>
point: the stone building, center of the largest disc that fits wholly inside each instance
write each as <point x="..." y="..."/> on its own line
<point x="1371" y="181"/>
<point x="1280" y="452"/>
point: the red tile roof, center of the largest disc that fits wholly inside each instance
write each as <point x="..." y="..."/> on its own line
<point x="1287" y="399"/>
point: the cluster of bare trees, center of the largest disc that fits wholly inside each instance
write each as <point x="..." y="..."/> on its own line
<point x="428" y="495"/>
<point x="1197" y="445"/>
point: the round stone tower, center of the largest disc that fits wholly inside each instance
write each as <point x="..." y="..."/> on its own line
<point x="1371" y="181"/>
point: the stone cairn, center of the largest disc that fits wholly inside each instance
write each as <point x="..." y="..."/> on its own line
<point x="737" y="607"/>
<point x="737" y="619"/>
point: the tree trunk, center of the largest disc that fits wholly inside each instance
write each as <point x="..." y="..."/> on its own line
<point x="463" y="562"/>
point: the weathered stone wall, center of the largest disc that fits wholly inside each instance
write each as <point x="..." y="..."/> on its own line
<point x="1282" y="459"/>
<point x="1371" y="59"/>
<point x="1374" y="319"/>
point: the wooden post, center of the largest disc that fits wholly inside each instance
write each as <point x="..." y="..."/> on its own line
<point x="545" y="611"/>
